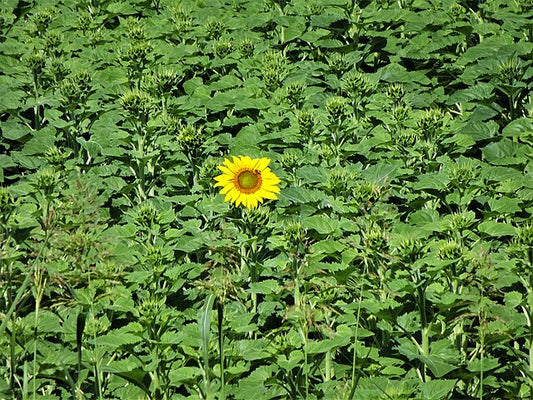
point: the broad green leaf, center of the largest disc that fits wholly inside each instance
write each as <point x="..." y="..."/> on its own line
<point x="492" y="228"/>
<point x="322" y="224"/>
<point x="437" y="389"/>
<point x="506" y="152"/>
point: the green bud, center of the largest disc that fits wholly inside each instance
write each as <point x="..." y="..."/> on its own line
<point x="190" y="138"/>
<point x="154" y="255"/>
<point x="462" y="220"/>
<point x="163" y="82"/>
<point x="82" y="80"/>
<point x="294" y="235"/>
<point x="338" y="64"/>
<point x="214" y="28"/>
<point x="457" y="11"/>
<point x="290" y="161"/>
<point x="374" y="237"/>
<point x="305" y="121"/>
<point x="134" y="29"/>
<point x="259" y="215"/>
<point x="314" y="7"/>
<point x="46" y="179"/>
<point x="462" y="171"/>
<point x="172" y="125"/>
<point x="246" y="47"/>
<point x="395" y="92"/>
<point x="336" y="108"/>
<point x="69" y="90"/>
<point x="409" y="249"/>
<point x="357" y="85"/>
<point x="42" y="19"/>
<point x="56" y="156"/>
<point x="525" y="234"/>
<point x="6" y="200"/>
<point x="338" y="182"/>
<point x="180" y="18"/>
<point x="137" y="53"/>
<point x="146" y="214"/>
<point x="136" y="103"/>
<point x="510" y="70"/>
<point x="273" y="68"/>
<point x="53" y="39"/>
<point x="406" y="138"/>
<point x="366" y="192"/>
<point x="274" y="59"/>
<point x="400" y="113"/>
<point x="450" y="249"/>
<point x="208" y="171"/>
<point x="294" y="92"/>
<point x="430" y="121"/>
<point x="58" y="69"/>
<point x="223" y="47"/>
<point x="85" y="20"/>
<point x="36" y="61"/>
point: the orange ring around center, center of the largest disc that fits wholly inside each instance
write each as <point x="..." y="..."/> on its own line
<point x="242" y="178"/>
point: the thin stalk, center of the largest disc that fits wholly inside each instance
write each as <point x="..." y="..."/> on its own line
<point x="482" y="350"/>
<point x="354" y="358"/>
<point x="36" y="116"/>
<point x="39" y="290"/>
<point x="423" y="320"/>
<point x="530" y="312"/>
<point x="24" y="285"/>
<point x="306" y="368"/>
<point x="328" y="366"/>
<point x="296" y="291"/>
<point x="220" y="310"/>
<point x="205" y="325"/>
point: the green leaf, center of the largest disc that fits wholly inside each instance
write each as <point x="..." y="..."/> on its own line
<point x="521" y="128"/>
<point x="485" y="364"/>
<point x="183" y="374"/>
<point x="437" y="389"/>
<point x="492" y="228"/>
<point x="505" y="205"/>
<point x="116" y="339"/>
<point x="381" y="173"/>
<point x="506" y="152"/>
<point x="324" y="225"/>
<point x="265" y="287"/>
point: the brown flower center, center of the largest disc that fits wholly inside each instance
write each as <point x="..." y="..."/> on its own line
<point x="248" y="181"/>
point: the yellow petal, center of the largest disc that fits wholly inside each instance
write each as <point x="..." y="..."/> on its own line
<point x="231" y="166"/>
<point x="226" y="189"/>
<point x="227" y="171"/>
<point x="267" y="195"/>
<point x="253" y="202"/>
<point x="247" y="162"/>
<point x="263" y="164"/>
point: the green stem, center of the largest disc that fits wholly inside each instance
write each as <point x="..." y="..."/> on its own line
<point x="423" y="320"/>
<point x="220" y="310"/>
<point x="24" y="285"/>
<point x="530" y="312"/>
<point x="36" y="112"/>
<point x="328" y="365"/>
<point x="296" y="291"/>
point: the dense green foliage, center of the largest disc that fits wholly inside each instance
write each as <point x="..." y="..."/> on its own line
<point x="396" y="264"/>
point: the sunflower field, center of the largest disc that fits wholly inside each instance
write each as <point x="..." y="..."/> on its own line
<point x="266" y="199"/>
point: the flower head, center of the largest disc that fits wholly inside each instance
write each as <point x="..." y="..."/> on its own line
<point x="247" y="181"/>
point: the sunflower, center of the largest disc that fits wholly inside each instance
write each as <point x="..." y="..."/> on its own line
<point x="247" y="181"/>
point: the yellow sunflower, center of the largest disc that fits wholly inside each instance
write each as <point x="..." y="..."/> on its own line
<point x="247" y="181"/>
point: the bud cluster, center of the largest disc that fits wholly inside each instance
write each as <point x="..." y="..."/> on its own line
<point x="336" y="108"/>
<point x="273" y="68"/>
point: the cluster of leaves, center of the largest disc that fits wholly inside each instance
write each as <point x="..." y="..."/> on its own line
<point x="397" y="263"/>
